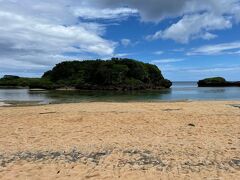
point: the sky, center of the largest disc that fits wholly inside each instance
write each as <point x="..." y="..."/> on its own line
<point x="187" y="39"/>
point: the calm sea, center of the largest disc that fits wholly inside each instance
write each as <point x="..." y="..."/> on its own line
<point x="179" y="91"/>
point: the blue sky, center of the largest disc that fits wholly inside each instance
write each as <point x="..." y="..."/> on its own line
<point x="187" y="40"/>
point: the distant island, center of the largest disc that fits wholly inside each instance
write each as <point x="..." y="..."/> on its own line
<point x="217" y="82"/>
<point x="114" y="74"/>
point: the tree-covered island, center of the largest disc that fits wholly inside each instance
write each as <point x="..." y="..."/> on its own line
<point x="217" y="82"/>
<point x="114" y="74"/>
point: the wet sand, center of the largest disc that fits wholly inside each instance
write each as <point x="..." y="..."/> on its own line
<point x="168" y="140"/>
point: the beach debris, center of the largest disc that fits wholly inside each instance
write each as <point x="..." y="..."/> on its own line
<point x="48" y="113"/>
<point x="92" y="175"/>
<point x="133" y="159"/>
<point x="171" y="109"/>
<point x="235" y="105"/>
<point x="136" y="158"/>
<point x="235" y="163"/>
<point x="69" y="157"/>
<point x="192" y="125"/>
<point x="141" y="159"/>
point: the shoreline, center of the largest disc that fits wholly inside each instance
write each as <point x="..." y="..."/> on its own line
<point x="3" y="104"/>
<point x="107" y="140"/>
<point x="40" y="103"/>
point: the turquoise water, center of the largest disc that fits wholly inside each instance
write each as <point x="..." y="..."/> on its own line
<point x="179" y="91"/>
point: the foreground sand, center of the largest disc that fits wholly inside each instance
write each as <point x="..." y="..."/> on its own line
<point x="180" y="140"/>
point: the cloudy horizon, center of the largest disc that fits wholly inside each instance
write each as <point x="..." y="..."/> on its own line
<point x="186" y="39"/>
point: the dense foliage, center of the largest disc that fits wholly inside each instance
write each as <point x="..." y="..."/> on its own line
<point x="111" y="74"/>
<point x="15" y="81"/>
<point x="216" y="82"/>
<point x="114" y="74"/>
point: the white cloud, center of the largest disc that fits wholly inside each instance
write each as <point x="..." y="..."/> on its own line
<point x="203" y="70"/>
<point x="122" y="55"/>
<point x="43" y="32"/>
<point x="128" y="42"/>
<point x="38" y="34"/>
<point x="213" y="69"/>
<point x="93" y="13"/>
<point x="217" y="15"/>
<point x="237" y="52"/>
<point x="157" y="10"/>
<point x="158" y="52"/>
<point x="166" y="61"/>
<point x="178" y="50"/>
<point x="193" y="26"/>
<point x="224" y="48"/>
<point x="125" y="42"/>
<point x="208" y="36"/>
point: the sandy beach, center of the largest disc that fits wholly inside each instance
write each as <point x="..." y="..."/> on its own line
<point x="167" y="140"/>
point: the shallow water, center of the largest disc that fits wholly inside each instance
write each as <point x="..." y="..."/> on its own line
<point x="179" y="91"/>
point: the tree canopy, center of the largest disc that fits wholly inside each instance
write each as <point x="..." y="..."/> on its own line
<point x="111" y="74"/>
<point x="216" y="82"/>
<point x="114" y="74"/>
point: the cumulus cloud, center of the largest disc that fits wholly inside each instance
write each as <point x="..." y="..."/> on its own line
<point x="157" y="10"/>
<point x="223" y="48"/>
<point x="193" y="26"/>
<point x="26" y="33"/>
<point x="214" y="13"/>
<point x="197" y="19"/>
<point x="39" y="34"/>
<point x="42" y="33"/>
<point x="153" y="10"/>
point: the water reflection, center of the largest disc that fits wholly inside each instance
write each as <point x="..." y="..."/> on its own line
<point x="76" y="96"/>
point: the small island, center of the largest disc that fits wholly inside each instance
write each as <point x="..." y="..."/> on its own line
<point x="114" y="74"/>
<point x="217" y="82"/>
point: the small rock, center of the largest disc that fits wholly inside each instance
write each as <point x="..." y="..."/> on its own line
<point x="192" y="125"/>
<point x="235" y="105"/>
<point x="236" y="162"/>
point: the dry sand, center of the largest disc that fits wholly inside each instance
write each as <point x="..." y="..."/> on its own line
<point x="180" y="140"/>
